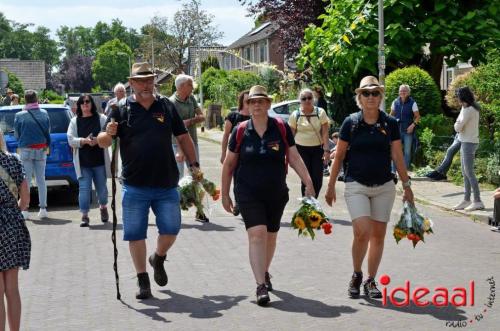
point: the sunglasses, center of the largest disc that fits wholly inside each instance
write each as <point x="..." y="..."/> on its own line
<point x="306" y="98"/>
<point x="86" y="101"/>
<point x="366" y="94"/>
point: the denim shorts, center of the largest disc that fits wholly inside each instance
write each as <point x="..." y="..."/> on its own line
<point x="136" y="203"/>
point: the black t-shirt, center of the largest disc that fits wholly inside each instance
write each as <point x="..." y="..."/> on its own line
<point x="146" y="143"/>
<point x="369" y="158"/>
<point x="261" y="164"/>
<point x="235" y="117"/>
<point x="90" y="156"/>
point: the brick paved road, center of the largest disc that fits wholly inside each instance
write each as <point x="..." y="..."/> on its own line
<point x="70" y="285"/>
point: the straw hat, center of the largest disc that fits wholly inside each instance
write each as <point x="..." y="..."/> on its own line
<point x="258" y="92"/>
<point x="369" y="83"/>
<point x="141" y="70"/>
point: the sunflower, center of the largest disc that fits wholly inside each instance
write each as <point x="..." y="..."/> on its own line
<point x="299" y="223"/>
<point x="315" y="220"/>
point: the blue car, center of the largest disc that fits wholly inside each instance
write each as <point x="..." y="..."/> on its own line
<point x="60" y="170"/>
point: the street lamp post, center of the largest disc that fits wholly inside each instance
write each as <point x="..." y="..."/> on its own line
<point x="381" y="55"/>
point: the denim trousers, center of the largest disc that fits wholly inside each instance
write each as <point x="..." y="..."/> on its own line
<point x="467" y="156"/>
<point x="180" y="165"/>
<point x="34" y="162"/>
<point x="98" y="175"/>
<point x="407" y="141"/>
<point x="448" y="159"/>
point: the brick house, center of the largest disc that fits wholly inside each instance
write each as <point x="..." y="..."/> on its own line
<point x="30" y="72"/>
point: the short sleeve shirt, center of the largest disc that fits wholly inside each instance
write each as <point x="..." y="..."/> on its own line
<point x="308" y="127"/>
<point x="368" y="159"/>
<point x="146" y="143"/>
<point x="261" y="170"/>
<point x="235" y="117"/>
<point x="187" y="110"/>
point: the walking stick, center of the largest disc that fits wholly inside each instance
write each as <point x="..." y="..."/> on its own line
<point x="115" y="220"/>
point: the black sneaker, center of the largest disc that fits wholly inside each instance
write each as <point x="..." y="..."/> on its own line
<point x="371" y="290"/>
<point x="160" y="275"/>
<point x="85" y="222"/>
<point x="268" y="283"/>
<point x="202" y="218"/>
<point x="236" y="210"/>
<point x="144" y="286"/>
<point x="104" y="215"/>
<point x="262" y="295"/>
<point x="439" y="176"/>
<point x="431" y="174"/>
<point x="355" y="284"/>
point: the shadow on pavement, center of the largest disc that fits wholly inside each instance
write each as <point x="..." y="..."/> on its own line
<point x="50" y="221"/>
<point x="314" y="308"/>
<point x="105" y="226"/>
<point x="452" y="194"/>
<point x="207" y="227"/>
<point x="341" y="222"/>
<point x="448" y="313"/>
<point x="208" y="306"/>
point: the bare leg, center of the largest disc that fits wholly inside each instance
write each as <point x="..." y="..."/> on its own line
<point x="271" y="248"/>
<point x="13" y="298"/>
<point x="257" y="237"/>
<point x="377" y="238"/>
<point x="2" y="303"/>
<point x="138" y="252"/>
<point x="361" y="229"/>
<point x="164" y="242"/>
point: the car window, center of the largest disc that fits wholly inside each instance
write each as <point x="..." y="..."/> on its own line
<point x="280" y="109"/>
<point x="59" y="120"/>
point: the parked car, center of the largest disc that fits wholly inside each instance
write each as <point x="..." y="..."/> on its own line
<point x="60" y="170"/>
<point x="284" y="109"/>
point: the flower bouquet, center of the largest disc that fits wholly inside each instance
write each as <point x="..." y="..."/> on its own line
<point x="192" y="193"/>
<point x="310" y="217"/>
<point x="412" y="225"/>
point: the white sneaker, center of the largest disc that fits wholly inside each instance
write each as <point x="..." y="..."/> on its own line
<point x="26" y="214"/>
<point x="462" y="205"/>
<point x="43" y="213"/>
<point x="475" y="206"/>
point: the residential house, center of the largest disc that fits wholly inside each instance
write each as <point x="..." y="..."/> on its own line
<point x="30" y="72"/>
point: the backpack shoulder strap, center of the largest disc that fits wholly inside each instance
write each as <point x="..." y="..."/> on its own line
<point x="240" y="132"/>
<point x="355" y="119"/>
<point x="282" y="128"/>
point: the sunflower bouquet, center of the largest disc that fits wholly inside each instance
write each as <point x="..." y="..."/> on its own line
<point x="310" y="217"/>
<point x="412" y="225"/>
<point x="192" y="193"/>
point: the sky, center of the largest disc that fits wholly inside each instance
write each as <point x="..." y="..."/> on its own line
<point x="230" y="15"/>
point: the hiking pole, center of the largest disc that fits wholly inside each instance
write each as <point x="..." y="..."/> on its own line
<point x="113" y="208"/>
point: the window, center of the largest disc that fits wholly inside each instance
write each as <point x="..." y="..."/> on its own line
<point x="293" y="107"/>
<point x="263" y="51"/>
<point x="247" y="53"/>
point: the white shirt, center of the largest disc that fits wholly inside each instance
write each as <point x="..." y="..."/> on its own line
<point x="467" y="125"/>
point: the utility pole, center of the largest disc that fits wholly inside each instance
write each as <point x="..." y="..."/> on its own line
<point x="381" y="48"/>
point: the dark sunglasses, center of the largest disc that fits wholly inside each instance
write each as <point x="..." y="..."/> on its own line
<point x="366" y="94"/>
<point x="306" y="98"/>
<point x="86" y="101"/>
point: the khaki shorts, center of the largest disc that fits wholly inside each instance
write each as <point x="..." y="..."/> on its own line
<point x="373" y="201"/>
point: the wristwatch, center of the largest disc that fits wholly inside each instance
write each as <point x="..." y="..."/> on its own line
<point x="407" y="184"/>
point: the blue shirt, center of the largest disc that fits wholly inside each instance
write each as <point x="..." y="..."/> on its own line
<point x="27" y="131"/>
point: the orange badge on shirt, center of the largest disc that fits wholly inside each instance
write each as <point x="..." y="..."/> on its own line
<point x="159" y="117"/>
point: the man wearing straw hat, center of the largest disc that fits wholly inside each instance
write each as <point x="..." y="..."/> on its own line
<point x="145" y="123"/>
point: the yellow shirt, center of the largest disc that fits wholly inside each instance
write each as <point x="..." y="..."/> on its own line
<point x="308" y="132"/>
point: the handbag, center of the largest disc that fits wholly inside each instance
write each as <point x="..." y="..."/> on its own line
<point x="46" y="134"/>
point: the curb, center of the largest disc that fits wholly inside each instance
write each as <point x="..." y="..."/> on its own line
<point x="209" y="139"/>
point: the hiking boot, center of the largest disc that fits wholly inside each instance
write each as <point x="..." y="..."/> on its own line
<point x="476" y="205"/>
<point x="268" y="283"/>
<point x="202" y="218"/>
<point x="371" y="290"/>
<point x="85" y="221"/>
<point x="462" y="205"/>
<point x="104" y="215"/>
<point x="160" y="275"/>
<point x="355" y="284"/>
<point x="236" y="210"/>
<point x="144" y="286"/>
<point x="262" y="295"/>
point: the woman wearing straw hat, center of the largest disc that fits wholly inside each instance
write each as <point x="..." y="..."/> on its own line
<point x="369" y="141"/>
<point x="258" y="150"/>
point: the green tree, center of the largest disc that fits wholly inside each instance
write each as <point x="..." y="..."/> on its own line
<point x="15" y="84"/>
<point x="210" y="62"/>
<point x="417" y="32"/>
<point x="76" y="41"/>
<point x="111" y="64"/>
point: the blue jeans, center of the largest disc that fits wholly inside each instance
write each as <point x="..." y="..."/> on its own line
<point x="448" y="159"/>
<point x="467" y="156"/>
<point x="34" y="161"/>
<point x="407" y="141"/>
<point x="98" y="175"/>
<point x="180" y="165"/>
<point x="136" y="202"/>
